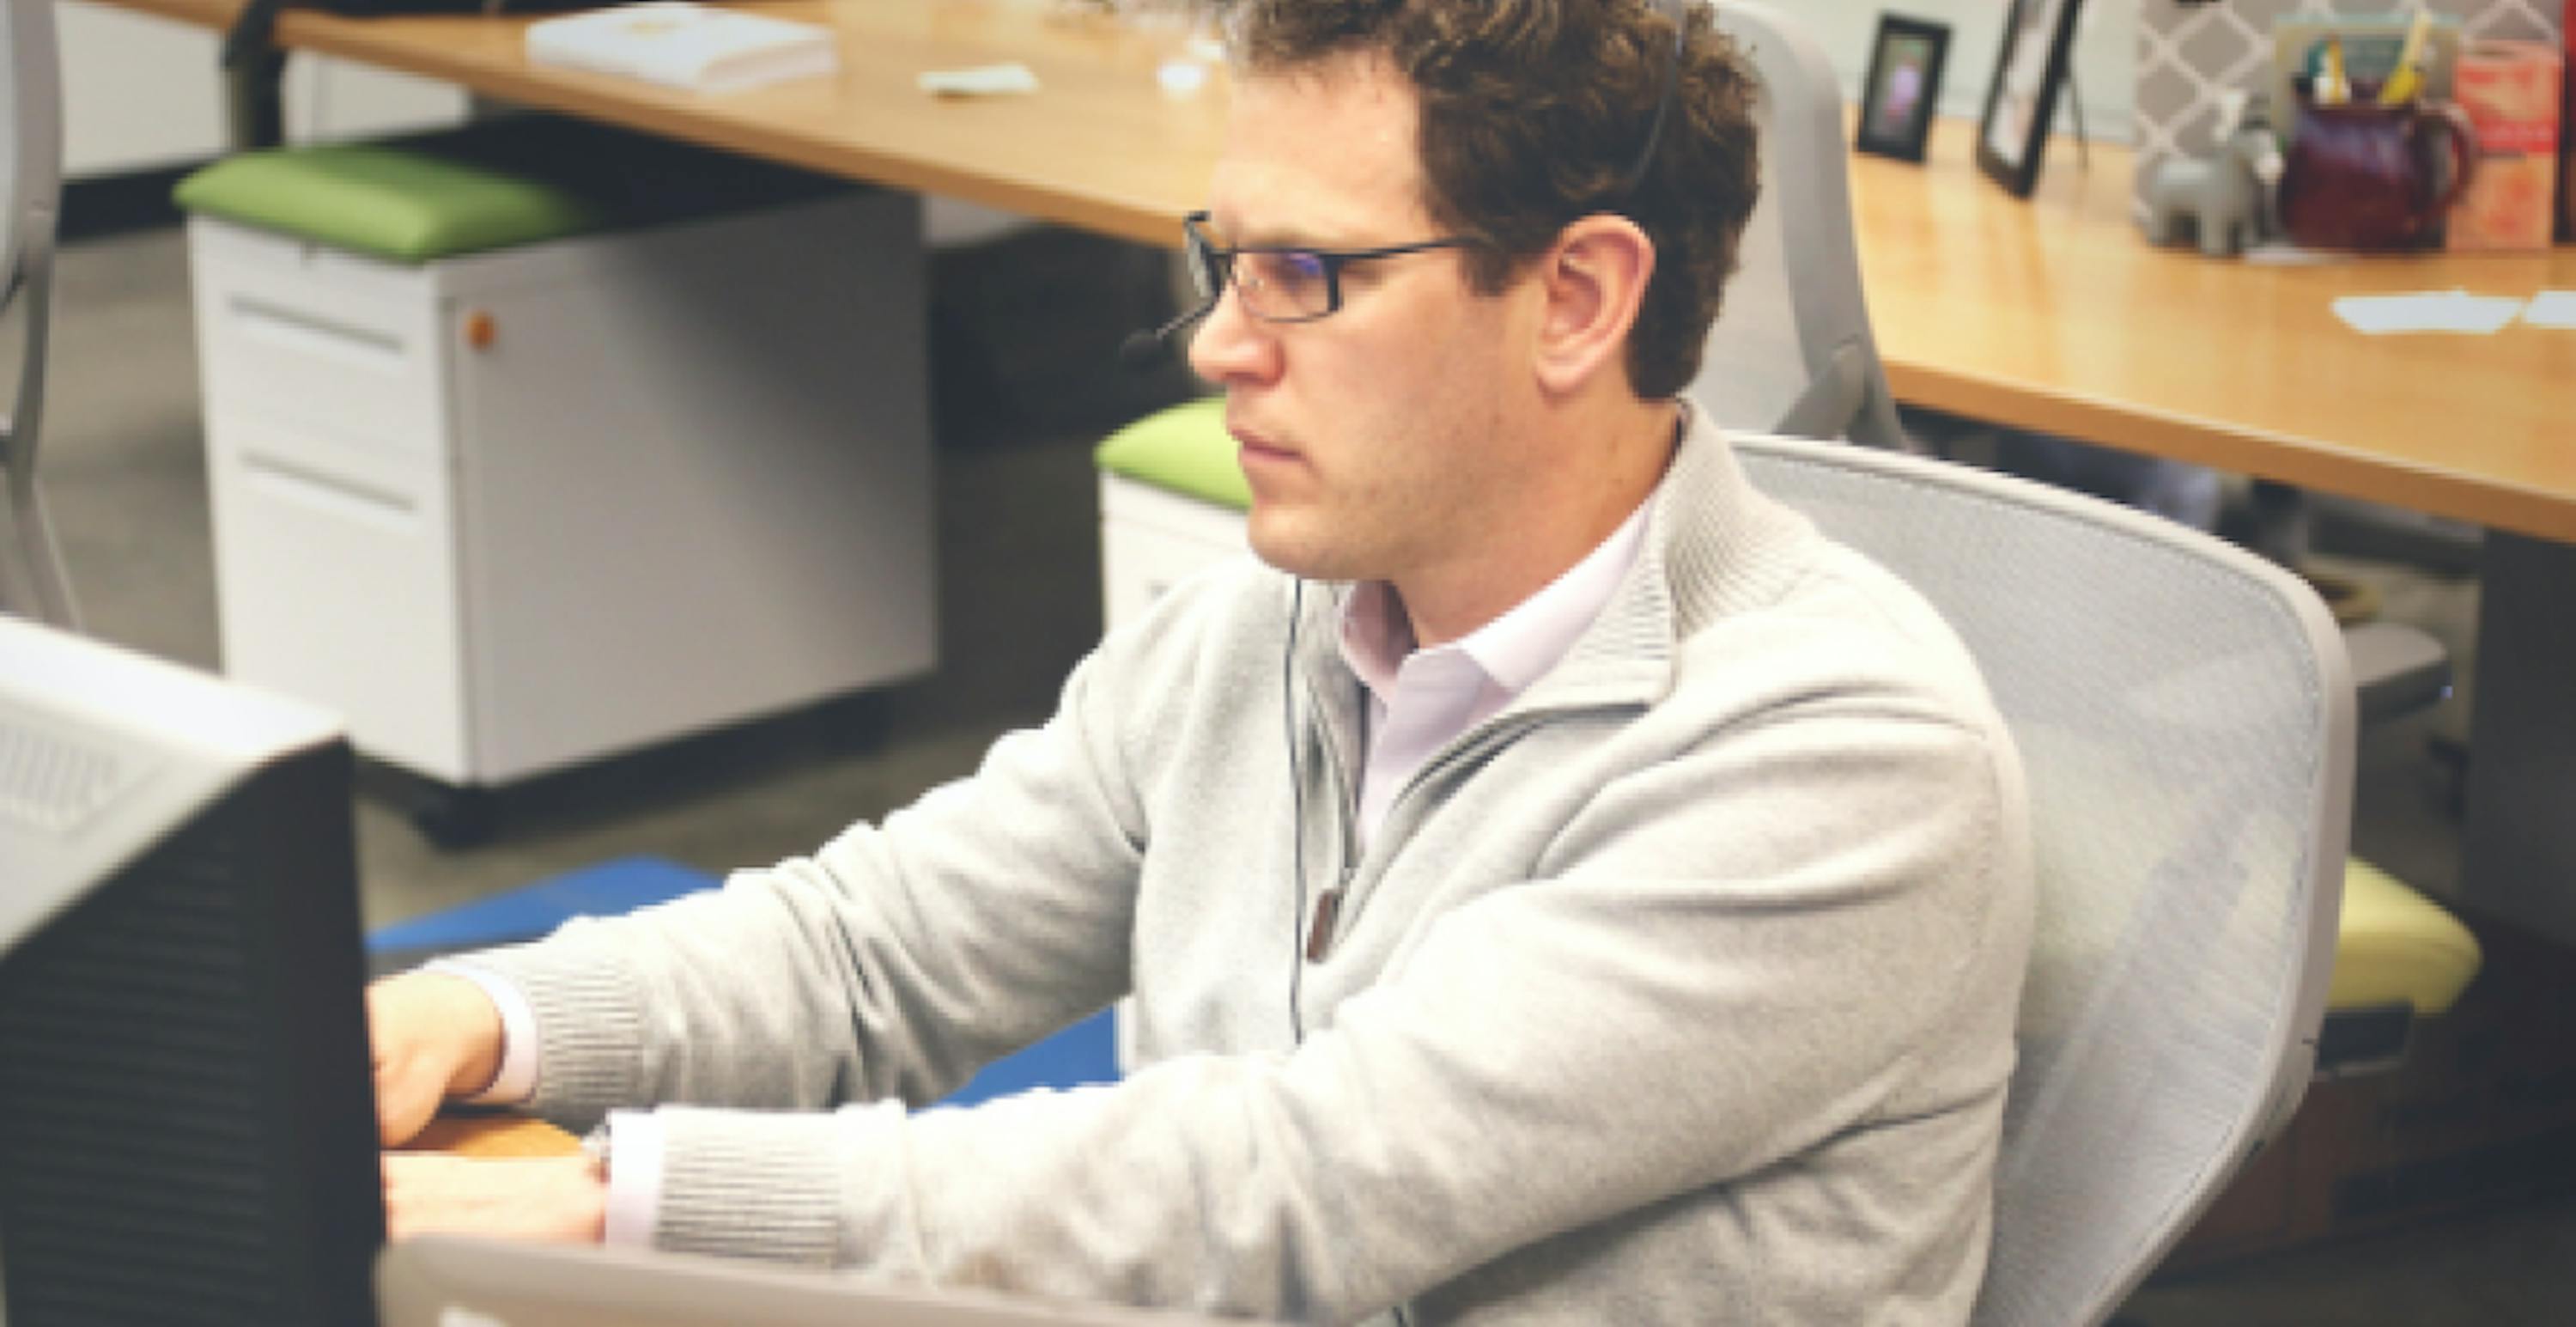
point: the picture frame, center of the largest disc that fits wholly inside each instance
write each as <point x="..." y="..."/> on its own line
<point x="2030" y="73"/>
<point x="1903" y="90"/>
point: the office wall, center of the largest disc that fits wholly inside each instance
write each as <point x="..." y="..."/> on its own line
<point x="2106" y="43"/>
<point x="141" y="92"/>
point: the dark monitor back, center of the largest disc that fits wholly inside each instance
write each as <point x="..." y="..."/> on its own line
<point x="186" y="1114"/>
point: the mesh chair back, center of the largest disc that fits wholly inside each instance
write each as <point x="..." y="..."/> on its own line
<point x="2185" y="714"/>
<point x="31" y="151"/>
<point x="1791" y="352"/>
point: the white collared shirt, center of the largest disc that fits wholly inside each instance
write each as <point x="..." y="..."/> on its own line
<point x="1422" y="700"/>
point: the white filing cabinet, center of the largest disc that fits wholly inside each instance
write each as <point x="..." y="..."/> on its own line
<point x="513" y="511"/>
<point x="1150" y="538"/>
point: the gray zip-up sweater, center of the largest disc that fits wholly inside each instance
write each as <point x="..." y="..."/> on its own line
<point x="1681" y="991"/>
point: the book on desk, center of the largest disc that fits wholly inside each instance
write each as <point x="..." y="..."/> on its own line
<point x="680" y="44"/>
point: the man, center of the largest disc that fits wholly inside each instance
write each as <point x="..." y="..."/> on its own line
<point x="1558" y="887"/>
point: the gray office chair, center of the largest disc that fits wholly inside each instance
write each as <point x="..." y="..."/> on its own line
<point x="1792" y="351"/>
<point x="32" y="582"/>
<point x="2186" y="716"/>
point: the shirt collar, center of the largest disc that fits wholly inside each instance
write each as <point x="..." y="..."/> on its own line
<point x="1515" y="649"/>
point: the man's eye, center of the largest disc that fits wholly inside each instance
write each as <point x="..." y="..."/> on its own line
<point x="1301" y="267"/>
<point x="1290" y="270"/>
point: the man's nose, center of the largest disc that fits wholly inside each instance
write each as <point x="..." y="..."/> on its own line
<point x="1232" y="345"/>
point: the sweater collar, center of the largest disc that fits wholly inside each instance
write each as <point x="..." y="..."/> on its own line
<point x="1714" y="546"/>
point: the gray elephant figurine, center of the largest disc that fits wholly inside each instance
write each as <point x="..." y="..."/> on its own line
<point x="2227" y="197"/>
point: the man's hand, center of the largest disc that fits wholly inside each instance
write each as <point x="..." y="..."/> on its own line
<point x="436" y="1036"/>
<point x="555" y="1200"/>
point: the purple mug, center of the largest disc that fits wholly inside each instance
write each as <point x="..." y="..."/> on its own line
<point x="2365" y="176"/>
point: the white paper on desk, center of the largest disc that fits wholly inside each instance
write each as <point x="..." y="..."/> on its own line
<point x="980" y="81"/>
<point x="2431" y="311"/>
<point x="2552" y="308"/>
<point x="680" y="44"/>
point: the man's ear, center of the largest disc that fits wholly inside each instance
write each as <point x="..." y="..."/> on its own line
<point x="1594" y="282"/>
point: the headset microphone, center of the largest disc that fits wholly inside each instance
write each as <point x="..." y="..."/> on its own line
<point x="1143" y="350"/>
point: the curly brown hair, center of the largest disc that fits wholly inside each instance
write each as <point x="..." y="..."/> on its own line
<point x="1515" y="146"/>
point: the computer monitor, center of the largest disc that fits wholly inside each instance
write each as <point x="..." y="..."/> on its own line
<point x="187" y="1128"/>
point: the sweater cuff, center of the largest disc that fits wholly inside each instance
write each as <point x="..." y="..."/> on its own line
<point x="748" y="1184"/>
<point x="586" y="1023"/>
<point x="517" y="1077"/>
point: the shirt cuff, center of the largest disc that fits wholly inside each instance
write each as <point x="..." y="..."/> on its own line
<point x="517" y="1079"/>
<point x="634" y="1179"/>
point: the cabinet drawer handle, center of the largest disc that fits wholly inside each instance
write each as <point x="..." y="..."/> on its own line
<point x="332" y="495"/>
<point x="299" y="330"/>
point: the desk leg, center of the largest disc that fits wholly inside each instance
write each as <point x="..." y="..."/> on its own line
<point x="255" y="101"/>
<point x="2520" y="841"/>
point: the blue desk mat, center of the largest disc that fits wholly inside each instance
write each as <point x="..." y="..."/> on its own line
<point x="1083" y="1053"/>
<point x="532" y="911"/>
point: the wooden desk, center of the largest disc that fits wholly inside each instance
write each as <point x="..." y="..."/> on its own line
<point x="2050" y="315"/>
<point x="1100" y="146"/>
<point x="493" y="1136"/>
<point x="2054" y="315"/>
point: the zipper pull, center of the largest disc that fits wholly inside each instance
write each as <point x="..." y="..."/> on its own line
<point x="1319" y="938"/>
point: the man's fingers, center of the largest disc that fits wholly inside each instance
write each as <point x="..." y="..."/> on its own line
<point x="406" y="1098"/>
<point x="400" y="1116"/>
<point x="555" y="1199"/>
<point x="427" y="1029"/>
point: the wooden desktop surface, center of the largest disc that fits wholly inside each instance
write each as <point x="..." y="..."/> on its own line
<point x="493" y="1136"/>
<point x="1100" y="146"/>
<point x="2050" y="314"/>
<point x="2053" y="314"/>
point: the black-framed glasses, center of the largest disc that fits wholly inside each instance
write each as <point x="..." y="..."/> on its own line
<point x="1285" y="283"/>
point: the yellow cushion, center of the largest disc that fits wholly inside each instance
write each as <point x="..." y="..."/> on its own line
<point x="2397" y="946"/>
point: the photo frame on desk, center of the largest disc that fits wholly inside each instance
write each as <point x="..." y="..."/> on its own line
<point x="2030" y="74"/>
<point x="1903" y="91"/>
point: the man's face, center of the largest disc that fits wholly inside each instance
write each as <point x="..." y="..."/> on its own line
<point x="1371" y="437"/>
